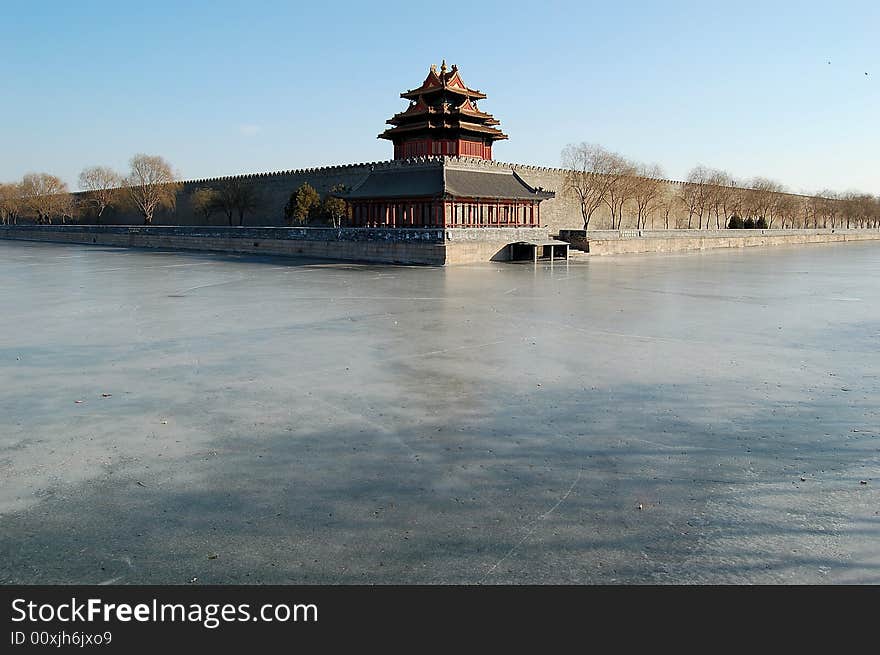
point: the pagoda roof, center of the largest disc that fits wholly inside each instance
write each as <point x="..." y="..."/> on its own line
<point x="420" y="107"/>
<point x="430" y="126"/>
<point x="442" y="180"/>
<point x="443" y="81"/>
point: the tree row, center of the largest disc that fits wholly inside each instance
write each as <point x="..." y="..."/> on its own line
<point x="151" y="185"/>
<point x="634" y="194"/>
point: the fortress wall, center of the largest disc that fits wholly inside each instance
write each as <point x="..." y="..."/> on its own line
<point x="559" y="213"/>
<point x="274" y="190"/>
<point x="564" y="213"/>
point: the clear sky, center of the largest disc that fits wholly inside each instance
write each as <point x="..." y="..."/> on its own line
<point x="227" y="87"/>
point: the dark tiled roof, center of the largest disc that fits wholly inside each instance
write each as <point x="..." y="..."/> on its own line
<point x="400" y="184"/>
<point x="480" y="184"/>
<point x="440" y="181"/>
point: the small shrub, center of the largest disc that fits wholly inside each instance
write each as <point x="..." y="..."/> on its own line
<point x="749" y="224"/>
<point x="761" y="224"/>
<point x="735" y="223"/>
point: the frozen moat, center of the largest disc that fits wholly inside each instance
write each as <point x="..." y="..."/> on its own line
<point x="697" y="418"/>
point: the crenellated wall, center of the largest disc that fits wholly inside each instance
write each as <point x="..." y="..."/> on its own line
<point x="274" y="190"/>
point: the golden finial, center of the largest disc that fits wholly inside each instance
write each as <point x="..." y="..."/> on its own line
<point x="443" y="67"/>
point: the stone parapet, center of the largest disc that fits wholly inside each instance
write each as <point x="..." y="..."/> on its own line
<point x="685" y="240"/>
<point x="432" y="246"/>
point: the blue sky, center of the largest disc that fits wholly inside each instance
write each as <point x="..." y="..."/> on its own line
<point x="227" y="87"/>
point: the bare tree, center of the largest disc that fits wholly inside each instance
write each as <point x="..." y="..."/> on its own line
<point x="102" y="187"/>
<point x="849" y="208"/>
<point x="621" y="173"/>
<point x="648" y="193"/>
<point x="688" y="197"/>
<point x="225" y="198"/>
<point x="736" y="201"/>
<point x="813" y="209"/>
<point x="800" y="210"/>
<point x="10" y="203"/>
<point x="247" y="199"/>
<point x="586" y="177"/>
<point x="69" y="208"/>
<point x="236" y="196"/>
<point x="203" y="201"/>
<point x="718" y="193"/>
<point x="830" y="206"/>
<point x="44" y="195"/>
<point x="858" y="208"/>
<point x="152" y="184"/>
<point x="787" y="209"/>
<point x="694" y="194"/>
<point x="669" y="203"/>
<point x="765" y="195"/>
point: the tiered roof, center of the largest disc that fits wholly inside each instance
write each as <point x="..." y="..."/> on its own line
<point x="443" y="104"/>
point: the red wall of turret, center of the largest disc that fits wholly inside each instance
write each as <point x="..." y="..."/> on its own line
<point x="437" y="147"/>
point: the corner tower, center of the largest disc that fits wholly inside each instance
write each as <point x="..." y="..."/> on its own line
<point x="443" y="119"/>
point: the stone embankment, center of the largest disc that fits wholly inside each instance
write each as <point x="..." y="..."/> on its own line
<point x="619" y="242"/>
<point x="431" y="246"/>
